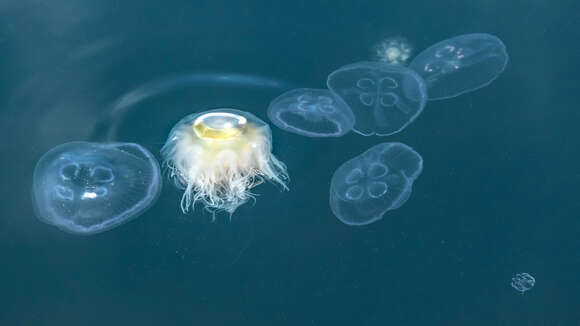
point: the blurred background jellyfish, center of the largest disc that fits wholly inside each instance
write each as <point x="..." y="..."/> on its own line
<point x="312" y="113"/>
<point x="217" y="156"/>
<point x="393" y="50"/>
<point x="86" y="188"/>
<point x="523" y="282"/>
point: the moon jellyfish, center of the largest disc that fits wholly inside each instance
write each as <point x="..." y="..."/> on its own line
<point x="523" y="282"/>
<point x="364" y="188"/>
<point x="394" y="50"/>
<point x="384" y="98"/>
<point x="460" y="64"/>
<point x="217" y="156"/>
<point x="87" y="188"/>
<point x="311" y="112"/>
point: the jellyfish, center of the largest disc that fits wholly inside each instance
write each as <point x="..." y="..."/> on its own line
<point x="460" y="64"/>
<point x="393" y="50"/>
<point x="384" y="98"/>
<point x="87" y="188"/>
<point x="218" y="156"/>
<point x="381" y="179"/>
<point x="312" y="113"/>
<point x="523" y="282"/>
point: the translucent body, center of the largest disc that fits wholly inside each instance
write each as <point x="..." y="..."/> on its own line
<point x="311" y="112"/>
<point x="523" y="282"/>
<point x="364" y="188"/>
<point x="460" y="64"/>
<point x="217" y="156"/>
<point x="395" y="51"/>
<point x="384" y="98"/>
<point x="86" y="188"/>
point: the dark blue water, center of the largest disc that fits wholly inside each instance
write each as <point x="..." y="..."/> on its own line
<point x="498" y="194"/>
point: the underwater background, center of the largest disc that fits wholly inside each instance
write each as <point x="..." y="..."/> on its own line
<point x="498" y="194"/>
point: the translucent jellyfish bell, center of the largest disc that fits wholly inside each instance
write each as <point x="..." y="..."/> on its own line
<point x="311" y="112"/>
<point x="217" y="156"/>
<point x="460" y="64"/>
<point x="523" y="282"/>
<point x="87" y="188"/>
<point x="364" y="188"/>
<point x="384" y="98"/>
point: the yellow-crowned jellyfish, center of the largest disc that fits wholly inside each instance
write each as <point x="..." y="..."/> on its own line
<point x="217" y="156"/>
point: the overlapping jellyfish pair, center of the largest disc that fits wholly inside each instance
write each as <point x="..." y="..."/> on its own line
<point x="216" y="157"/>
<point x="371" y="98"/>
<point x="383" y="98"/>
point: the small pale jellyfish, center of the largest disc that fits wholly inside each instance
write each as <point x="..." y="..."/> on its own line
<point x="523" y="282"/>
<point x="217" y="156"/>
<point x="394" y="50"/>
